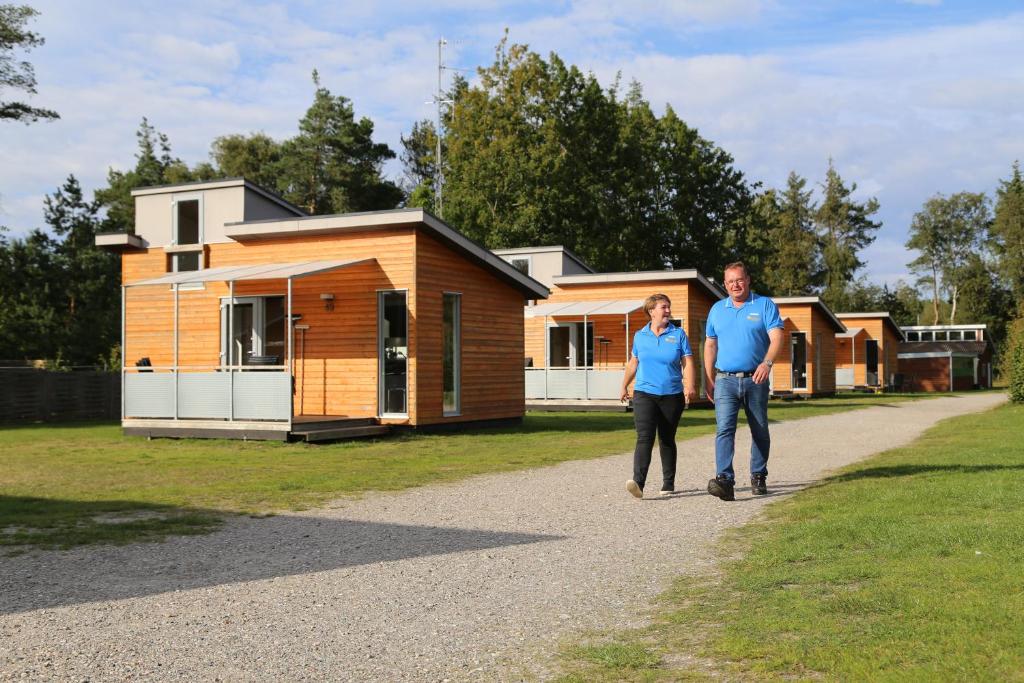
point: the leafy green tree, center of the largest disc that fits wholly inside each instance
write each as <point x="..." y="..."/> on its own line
<point x="19" y="75"/>
<point x="419" y="160"/>
<point x="89" y="277"/>
<point x="540" y="153"/>
<point x="30" y="306"/>
<point x="255" y="157"/>
<point x="59" y="296"/>
<point x="333" y="165"/>
<point x="984" y="299"/>
<point x="947" y="232"/>
<point x="793" y="263"/>
<point x="1007" y="231"/>
<point x="844" y="228"/>
<point x="1013" y="361"/>
<point x="154" y="165"/>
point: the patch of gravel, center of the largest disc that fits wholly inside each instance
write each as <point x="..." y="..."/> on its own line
<point x="476" y="580"/>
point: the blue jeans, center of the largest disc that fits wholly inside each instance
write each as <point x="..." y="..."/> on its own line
<point x="730" y="394"/>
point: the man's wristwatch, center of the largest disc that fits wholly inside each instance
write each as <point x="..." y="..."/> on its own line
<point x="769" y="363"/>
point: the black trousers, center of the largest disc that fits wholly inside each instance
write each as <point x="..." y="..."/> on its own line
<point x="655" y="414"/>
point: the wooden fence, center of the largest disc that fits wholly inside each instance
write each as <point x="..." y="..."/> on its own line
<point x="32" y="395"/>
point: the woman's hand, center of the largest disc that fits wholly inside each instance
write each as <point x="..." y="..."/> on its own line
<point x="625" y="395"/>
<point x="690" y="395"/>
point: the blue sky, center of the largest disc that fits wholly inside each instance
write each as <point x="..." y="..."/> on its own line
<point x="909" y="98"/>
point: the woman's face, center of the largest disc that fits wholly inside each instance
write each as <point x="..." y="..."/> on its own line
<point x="661" y="313"/>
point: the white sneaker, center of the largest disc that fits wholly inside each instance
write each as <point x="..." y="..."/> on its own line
<point x="666" y="492"/>
<point x="632" y="487"/>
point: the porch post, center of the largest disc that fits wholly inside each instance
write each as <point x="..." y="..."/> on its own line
<point x="124" y="291"/>
<point x="547" y="357"/>
<point x="231" y="350"/>
<point x="175" y="363"/>
<point x="627" y="337"/>
<point x="586" y="370"/>
<point x="291" y="359"/>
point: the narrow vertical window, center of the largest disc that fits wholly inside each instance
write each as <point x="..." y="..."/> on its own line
<point x="187" y="232"/>
<point x="451" y="356"/>
<point x="393" y="349"/>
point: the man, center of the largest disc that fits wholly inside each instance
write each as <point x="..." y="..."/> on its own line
<point x="744" y="334"/>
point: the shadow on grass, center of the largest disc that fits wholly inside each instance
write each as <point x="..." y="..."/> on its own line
<point x="76" y="424"/>
<point x="914" y="470"/>
<point x="50" y="523"/>
<point x="247" y="550"/>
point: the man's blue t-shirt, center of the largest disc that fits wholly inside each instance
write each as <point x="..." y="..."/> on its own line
<point x="660" y="369"/>
<point x="742" y="331"/>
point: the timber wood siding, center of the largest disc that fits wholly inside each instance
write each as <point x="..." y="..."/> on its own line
<point x="336" y="369"/>
<point x="689" y="302"/>
<point x="851" y="352"/>
<point x="888" y="350"/>
<point x="820" y="346"/>
<point x="492" y="381"/>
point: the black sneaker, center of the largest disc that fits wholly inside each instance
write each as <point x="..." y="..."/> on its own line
<point x="758" y="484"/>
<point x="720" y="487"/>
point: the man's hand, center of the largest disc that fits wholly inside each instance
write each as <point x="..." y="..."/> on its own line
<point x="709" y="390"/>
<point x="762" y="373"/>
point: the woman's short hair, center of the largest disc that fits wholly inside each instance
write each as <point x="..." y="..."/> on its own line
<point x="652" y="301"/>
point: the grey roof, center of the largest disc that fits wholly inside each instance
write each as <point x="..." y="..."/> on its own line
<point x="710" y="287"/>
<point x="875" y="315"/>
<point x="850" y="332"/>
<point x="814" y="301"/>
<point x="574" y="308"/>
<point x="262" y="271"/>
<point x="341" y="223"/>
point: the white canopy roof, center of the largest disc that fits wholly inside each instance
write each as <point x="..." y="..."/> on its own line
<point x="850" y="332"/>
<point x="577" y="308"/>
<point x="262" y="271"/>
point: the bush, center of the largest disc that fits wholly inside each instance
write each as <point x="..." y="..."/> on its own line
<point x="1013" y="364"/>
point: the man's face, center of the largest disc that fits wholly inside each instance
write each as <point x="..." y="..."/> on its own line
<point x="737" y="284"/>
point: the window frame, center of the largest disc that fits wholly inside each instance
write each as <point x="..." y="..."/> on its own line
<point x="456" y="353"/>
<point x="178" y="249"/>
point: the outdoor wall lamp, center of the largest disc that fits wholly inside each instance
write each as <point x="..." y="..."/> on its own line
<point x="328" y="300"/>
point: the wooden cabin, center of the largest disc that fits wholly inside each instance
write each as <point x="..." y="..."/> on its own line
<point x="578" y="342"/>
<point x="945" y="358"/>
<point x="867" y="353"/>
<point x="806" y="364"/>
<point x="244" y="317"/>
<point x="544" y="264"/>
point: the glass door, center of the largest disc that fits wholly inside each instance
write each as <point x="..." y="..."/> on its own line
<point x="392" y="353"/>
<point x="256" y="328"/>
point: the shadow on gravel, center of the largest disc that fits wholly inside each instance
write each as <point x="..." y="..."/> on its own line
<point x="248" y="550"/>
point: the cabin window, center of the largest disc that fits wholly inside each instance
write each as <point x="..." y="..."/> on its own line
<point x="913" y="336"/>
<point x="253" y="331"/>
<point x="926" y="336"/>
<point x="570" y="345"/>
<point x="798" y="360"/>
<point x="940" y="335"/>
<point x="187" y="238"/>
<point x="392" y="352"/>
<point x="452" y="359"/>
<point x="955" y="335"/>
<point x="524" y="264"/>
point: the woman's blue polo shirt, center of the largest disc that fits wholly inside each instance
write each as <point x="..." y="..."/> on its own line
<point x="660" y="370"/>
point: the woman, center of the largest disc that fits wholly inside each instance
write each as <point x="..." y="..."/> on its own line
<point x="660" y="361"/>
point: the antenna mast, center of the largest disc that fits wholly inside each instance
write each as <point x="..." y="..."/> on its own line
<point x="438" y="173"/>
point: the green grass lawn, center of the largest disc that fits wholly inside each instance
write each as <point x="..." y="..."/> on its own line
<point x="908" y="566"/>
<point x="85" y="483"/>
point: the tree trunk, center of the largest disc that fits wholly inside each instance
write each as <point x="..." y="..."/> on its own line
<point x="952" y="313"/>
<point x="935" y="296"/>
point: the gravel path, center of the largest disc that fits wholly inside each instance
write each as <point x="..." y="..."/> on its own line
<point x="469" y="581"/>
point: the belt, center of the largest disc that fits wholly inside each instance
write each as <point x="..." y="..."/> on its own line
<point x="741" y="375"/>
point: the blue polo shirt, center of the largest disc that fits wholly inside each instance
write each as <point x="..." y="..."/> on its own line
<point x="742" y="331"/>
<point x="660" y="370"/>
